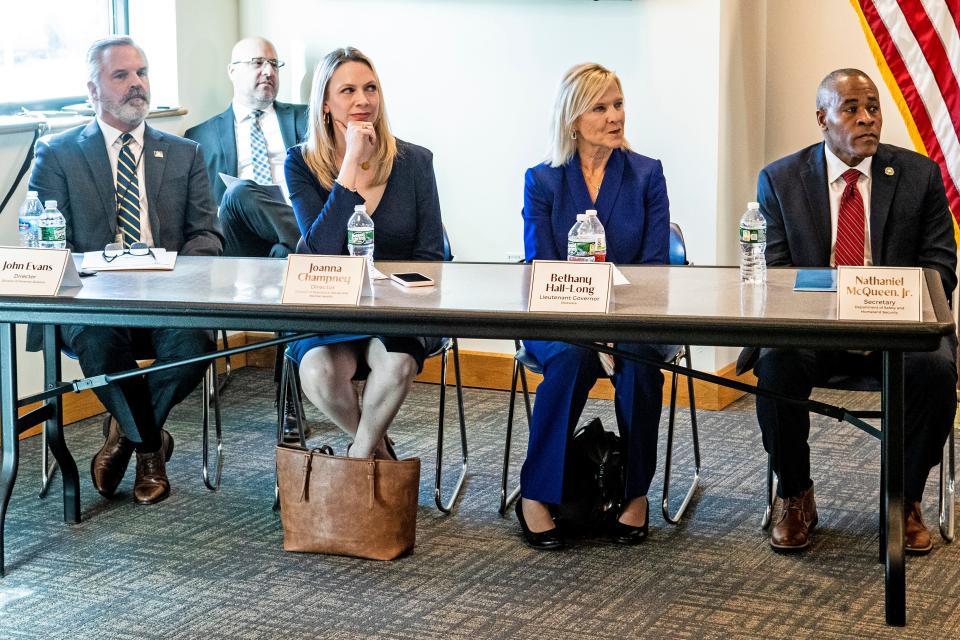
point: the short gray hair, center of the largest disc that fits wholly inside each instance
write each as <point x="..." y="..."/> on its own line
<point x="826" y="92"/>
<point x="95" y="53"/>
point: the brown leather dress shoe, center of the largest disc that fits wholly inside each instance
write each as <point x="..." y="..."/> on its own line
<point x="110" y="462"/>
<point x="797" y="520"/>
<point x="916" y="538"/>
<point x="151" y="484"/>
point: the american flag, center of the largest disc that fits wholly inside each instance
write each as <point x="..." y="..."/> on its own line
<point x="916" y="44"/>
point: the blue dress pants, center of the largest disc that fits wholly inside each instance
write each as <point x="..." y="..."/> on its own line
<point x="568" y="374"/>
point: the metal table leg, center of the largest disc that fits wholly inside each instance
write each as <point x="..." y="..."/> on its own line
<point x="8" y="429"/>
<point x="892" y="462"/>
<point x="53" y="428"/>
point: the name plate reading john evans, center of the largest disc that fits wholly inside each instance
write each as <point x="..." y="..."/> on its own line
<point x="571" y="287"/>
<point x="879" y="293"/>
<point x="327" y="280"/>
<point x="36" y="272"/>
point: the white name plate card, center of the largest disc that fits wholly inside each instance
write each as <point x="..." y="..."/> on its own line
<point x="879" y="293"/>
<point x="325" y="280"/>
<point x="36" y="272"/>
<point x="570" y="287"/>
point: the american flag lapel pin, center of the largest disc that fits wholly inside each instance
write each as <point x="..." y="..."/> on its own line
<point x="158" y="154"/>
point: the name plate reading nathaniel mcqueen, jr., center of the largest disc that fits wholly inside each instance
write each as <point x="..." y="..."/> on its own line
<point x="879" y="293"/>
<point x="334" y="280"/>
<point x="575" y="287"/>
<point x="36" y="272"/>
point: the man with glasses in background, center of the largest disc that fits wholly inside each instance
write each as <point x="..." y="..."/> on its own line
<point x="119" y="181"/>
<point x="249" y="141"/>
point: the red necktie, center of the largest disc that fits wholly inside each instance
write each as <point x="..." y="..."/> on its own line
<point x="848" y="251"/>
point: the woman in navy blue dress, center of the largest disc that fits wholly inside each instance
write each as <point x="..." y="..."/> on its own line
<point x="592" y="167"/>
<point x="350" y="158"/>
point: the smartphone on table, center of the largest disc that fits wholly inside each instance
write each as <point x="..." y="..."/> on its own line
<point x="412" y="279"/>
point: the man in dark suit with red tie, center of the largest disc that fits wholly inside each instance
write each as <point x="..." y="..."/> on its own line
<point x="851" y="200"/>
<point x="118" y="180"/>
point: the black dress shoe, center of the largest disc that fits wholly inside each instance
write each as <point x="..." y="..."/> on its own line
<point x="628" y="534"/>
<point x="290" y="431"/>
<point x="548" y="540"/>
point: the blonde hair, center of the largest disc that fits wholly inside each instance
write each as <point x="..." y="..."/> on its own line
<point x="582" y="87"/>
<point x="319" y="149"/>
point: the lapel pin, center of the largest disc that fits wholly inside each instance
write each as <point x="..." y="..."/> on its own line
<point x="159" y="154"/>
<point x="889" y="171"/>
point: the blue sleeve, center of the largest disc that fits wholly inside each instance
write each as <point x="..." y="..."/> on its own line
<point x="777" y="253"/>
<point x="321" y="215"/>
<point x="656" y="231"/>
<point x="537" y="211"/>
<point x="429" y="241"/>
<point x="50" y="182"/>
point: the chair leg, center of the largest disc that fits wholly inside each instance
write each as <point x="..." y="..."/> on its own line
<point x="507" y="499"/>
<point x="48" y="470"/>
<point x="947" y="490"/>
<point x="211" y="398"/>
<point x="227" y="367"/>
<point x="437" y="497"/>
<point x="771" y="495"/>
<point x="289" y="386"/>
<point x="665" y="506"/>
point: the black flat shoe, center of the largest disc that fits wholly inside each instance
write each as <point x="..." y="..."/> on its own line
<point x="628" y="534"/>
<point x="548" y="540"/>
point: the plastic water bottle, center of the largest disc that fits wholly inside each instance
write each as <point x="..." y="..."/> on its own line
<point x="53" y="227"/>
<point x="360" y="235"/>
<point x="753" y="242"/>
<point x="595" y="228"/>
<point x="29" y="220"/>
<point x="578" y="243"/>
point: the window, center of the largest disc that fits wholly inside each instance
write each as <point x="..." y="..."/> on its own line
<point x="42" y="49"/>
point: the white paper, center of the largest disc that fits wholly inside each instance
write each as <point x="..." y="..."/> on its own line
<point x="618" y="277"/>
<point x="275" y="191"/>
<point x="161" y="260"/>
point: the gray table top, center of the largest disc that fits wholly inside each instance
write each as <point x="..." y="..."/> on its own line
<point x="696" y="305"/>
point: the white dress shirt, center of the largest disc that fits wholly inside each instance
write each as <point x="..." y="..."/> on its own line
<point x="111" y="138"/>
<point x="836" y="184"/>
<point x="276" y="151"/>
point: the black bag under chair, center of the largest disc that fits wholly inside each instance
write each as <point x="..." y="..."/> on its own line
<point x="594" y="481"/>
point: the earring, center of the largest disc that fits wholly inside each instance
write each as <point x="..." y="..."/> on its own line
<point x="327" y="118"/>
<point x="573" y="134"/>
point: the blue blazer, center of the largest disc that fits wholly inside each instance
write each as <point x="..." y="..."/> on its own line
<point x="632" y="206"/>
<point x="218" y="137"/>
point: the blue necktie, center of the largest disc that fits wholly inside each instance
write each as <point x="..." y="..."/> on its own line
<point x="128" y="194"/>
<point x="258" y="151"/>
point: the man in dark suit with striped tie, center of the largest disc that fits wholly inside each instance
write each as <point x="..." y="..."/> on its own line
<point x="117" y="180"/>
<point x="851" y="200"/>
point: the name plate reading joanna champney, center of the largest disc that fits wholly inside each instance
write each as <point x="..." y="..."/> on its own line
<point x="879" y="293"/>
<point x="36" y="272"/>
<point x="570" y="287"/>
<point x="333" y="280"/>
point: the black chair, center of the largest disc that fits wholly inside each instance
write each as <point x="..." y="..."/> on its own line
<point x="211" y="401"/>
<point x="290" y="388"/>
<point x="947" y="466"/>
<point x="524" y="361"/>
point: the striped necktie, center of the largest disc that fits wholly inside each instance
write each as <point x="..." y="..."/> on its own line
<point x="128" y="194"/>
<point x="848" y="250"/>
<point x="258" y="151"/>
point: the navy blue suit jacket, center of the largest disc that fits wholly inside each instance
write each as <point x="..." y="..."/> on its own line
<point x="632" y="206"/>
<point x="910" y="224"/>
<point x="218" y="137"/>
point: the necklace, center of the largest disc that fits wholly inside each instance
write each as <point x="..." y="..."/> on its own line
<point x="593" y="185"/>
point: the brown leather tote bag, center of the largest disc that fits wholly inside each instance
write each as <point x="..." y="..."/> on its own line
<point x="361" y="507"/>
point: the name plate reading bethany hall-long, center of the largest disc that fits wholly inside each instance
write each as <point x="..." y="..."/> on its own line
<point x="333" y="280"/>
<point x="570" y="287"/>
<point x="879" y="293"/>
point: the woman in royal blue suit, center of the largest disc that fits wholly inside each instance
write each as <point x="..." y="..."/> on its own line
<point x="351" y="158"/>
<point x="592" y="167"/>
